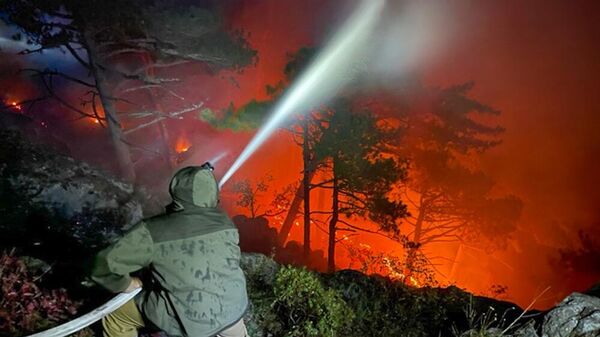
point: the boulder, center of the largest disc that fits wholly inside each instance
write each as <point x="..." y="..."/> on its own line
<point x="578" y="315"/>
<point x="49" y="196"/>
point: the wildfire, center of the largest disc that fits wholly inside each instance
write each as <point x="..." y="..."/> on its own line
<point x="15" y="105"/>
<point x="183" y="144"/>
<point x="381" y="263"/>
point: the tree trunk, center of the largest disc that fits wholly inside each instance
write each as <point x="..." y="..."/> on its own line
<point x="288" y="223"/>
<point x="415" y="243"/>
<point x="166" y="151"/>
<point x="332" y="226"/>
<point x="306" y="178"/>
<point x="123" y="156"/>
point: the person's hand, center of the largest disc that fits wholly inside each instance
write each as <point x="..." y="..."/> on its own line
<point x="135" y="283"/>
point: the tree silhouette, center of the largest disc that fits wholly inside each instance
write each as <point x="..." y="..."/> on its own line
<point x="449" y="198"/>
<point x="362" y="177"/>
<point x="582" y="260"/>
<point x="250" y="192"/>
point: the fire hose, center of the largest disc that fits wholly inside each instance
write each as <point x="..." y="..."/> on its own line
<point x="89" y="318"/>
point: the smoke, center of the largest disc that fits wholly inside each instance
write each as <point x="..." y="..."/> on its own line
<point x="536" y="63"/>
<point x="411" y="34"/>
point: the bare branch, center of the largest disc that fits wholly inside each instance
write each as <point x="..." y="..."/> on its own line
<point x="176" y="114"/>
<point x="367" y="230"/>
<point x="194" y="56"/>
<point x="144" y="114"/>
<point x="146" y="79"/>
<point x="129" y="43"/>
<point x="160" y="65"/>
<point x="32" y="51"/>
<point x="150" y="86"/>
<point x="141" y="87"/>
<point x="125" y="51"/>
<point x="50" y="90"/>
<point x="322" y="184"/>
<point x="76" y="56"/>
<point x="441" y="238"/>
<point x="60" y="74"/>
<point x="320" y="212"/>
<point x="352" y="196"/>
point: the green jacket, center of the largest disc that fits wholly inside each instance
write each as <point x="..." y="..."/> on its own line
<point x="194" y="255"/>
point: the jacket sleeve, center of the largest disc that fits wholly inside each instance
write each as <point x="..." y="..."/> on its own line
<point x="130" y="253"/>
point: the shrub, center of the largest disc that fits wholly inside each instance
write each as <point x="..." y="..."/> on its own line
<point x="387" y="308"/>
<point x="305" y="308"/>
<point x="24" y="307"/>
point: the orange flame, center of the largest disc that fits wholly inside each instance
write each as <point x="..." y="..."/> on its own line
<point x="183" y="144"/>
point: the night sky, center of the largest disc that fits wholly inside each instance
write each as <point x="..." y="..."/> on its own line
<point x="536" y="61"/>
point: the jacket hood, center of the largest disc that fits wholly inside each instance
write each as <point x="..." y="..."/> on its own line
<point x="194" y="186"/>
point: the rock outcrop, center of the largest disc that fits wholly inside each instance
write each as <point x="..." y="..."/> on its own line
<point x="43" y="192"/>
<point x="578" y="315"/>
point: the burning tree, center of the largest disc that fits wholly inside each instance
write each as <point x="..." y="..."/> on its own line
<point x="361" y="177"/>
<point x="124" y="47"/>
<point x="350" y="144"/>
<point x="449" y="198"/>
<point x="347" y="144"/>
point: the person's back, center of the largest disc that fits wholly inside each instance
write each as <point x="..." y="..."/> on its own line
<point x="193" y="283"/>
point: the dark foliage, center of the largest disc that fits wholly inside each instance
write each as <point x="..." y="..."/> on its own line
<point x="24" y="306"/>
<point x="296" y="301"/>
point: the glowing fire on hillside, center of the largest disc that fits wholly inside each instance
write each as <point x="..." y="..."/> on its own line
<point x="182" y="145"/>
<point x="11" y="105"/>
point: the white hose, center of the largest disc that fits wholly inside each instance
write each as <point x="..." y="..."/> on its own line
<point x="89" y="318"/>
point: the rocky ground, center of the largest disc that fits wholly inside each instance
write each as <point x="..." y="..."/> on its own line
<point x="61" y="211"/>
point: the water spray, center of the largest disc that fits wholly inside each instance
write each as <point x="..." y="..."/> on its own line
<point x="218" y="157"/>
<point x="330" y="70"/>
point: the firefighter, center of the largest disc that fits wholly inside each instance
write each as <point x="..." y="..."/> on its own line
<point x="187" y="262"/>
